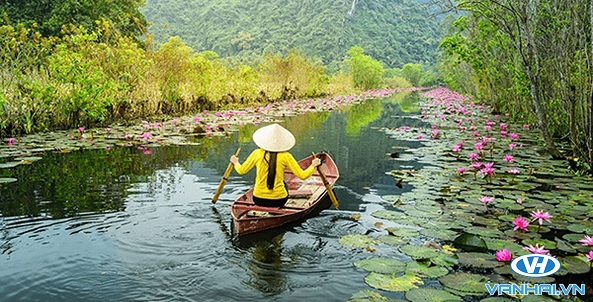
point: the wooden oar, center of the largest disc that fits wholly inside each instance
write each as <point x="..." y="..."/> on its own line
<point x="328" y="187"/>
<point x="225" y="177"/>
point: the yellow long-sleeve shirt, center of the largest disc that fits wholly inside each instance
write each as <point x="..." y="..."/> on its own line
<point x="284" y="160"/>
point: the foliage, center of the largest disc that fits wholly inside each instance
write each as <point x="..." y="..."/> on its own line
<point x="528" y="59"/>
<point x="366" y="72"/>
<point x="394" y="32"/>
<point x="50" y="17"/>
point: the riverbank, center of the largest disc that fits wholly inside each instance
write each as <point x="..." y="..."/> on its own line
<point x="173" y="131"/>
<point x="486" y="194"/>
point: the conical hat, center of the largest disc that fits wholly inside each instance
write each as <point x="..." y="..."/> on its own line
<point x="274" y="138"/>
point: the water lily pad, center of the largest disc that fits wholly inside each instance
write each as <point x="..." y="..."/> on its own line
<point x="419" y="251"/>
<point x="368" y="296"/>
<point x="573" y="265"/>
<point x="499" y="244"/>
<point x="356" y="241"/>
<point x="506" y="270"/>
<point x="496" y="299"/>
<point x="9" y="165"/>
<point x="393" y="240"/>
<point x="581" y="227"/>
<point x="28" y="158"/>
<point x="381" y="265"/>
<point x="402" y="232"/>
<point x="470" y="242"/>
<point x="6" y="180"/>
<point x="425" y="271"/>
<point x="550" y="245"/>
<point x="439" y="233"/>
<point x="444" y="260"/>
<point x="430" y="294"/>
<point x="485" y="232"/>
<point x="480" y="260"/>
<point x="390" y="215"/>
<point x="572" y="237"/>
<point x="392" y="283"/>
<point x="465" y="282"/>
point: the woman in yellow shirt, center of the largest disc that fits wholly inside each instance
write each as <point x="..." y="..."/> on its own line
<point x="270" y="162"/>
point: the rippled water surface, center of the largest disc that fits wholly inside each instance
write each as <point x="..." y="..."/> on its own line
<point x="119" y="225"/>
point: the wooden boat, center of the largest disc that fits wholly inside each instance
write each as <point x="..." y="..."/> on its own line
<point x="303" y="197"/>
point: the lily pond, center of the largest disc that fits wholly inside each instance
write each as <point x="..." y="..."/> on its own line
<point x="437" y="196"/>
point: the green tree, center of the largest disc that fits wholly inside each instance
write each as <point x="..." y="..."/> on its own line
<point x="413" y="73"/>
<point x="365" y="71"/>
<point x="52" y="15"/>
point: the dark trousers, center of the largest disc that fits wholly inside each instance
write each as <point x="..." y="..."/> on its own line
<point x="264" y="202"/>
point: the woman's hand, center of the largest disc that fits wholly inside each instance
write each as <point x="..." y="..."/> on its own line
<point x="234" y="160"/>
<point x="316" y="162"/>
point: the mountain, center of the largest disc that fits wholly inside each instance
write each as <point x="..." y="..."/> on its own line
<point x="392" y="31"/>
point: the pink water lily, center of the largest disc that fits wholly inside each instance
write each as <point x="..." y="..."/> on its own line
<point x="476" y="165"/>
<point x="504" y="255"/>
<point x="80" y="130"/>
<point x="514" y="171"/>
<point x="10" y="141"/>
<point x="473" y="156"/>
<point x="512" y="146"/>
<point x="540" y="215"/>
<point x="537" y="249"/>
<point x="508" y="158"/>
<point x="486" y="199"/>
<point x="108" y="130"/>
<point x="589" y="256"/>
<point x="461" y="170"/>
<point x="587" y="241"/>
<point x="520" y="223"/>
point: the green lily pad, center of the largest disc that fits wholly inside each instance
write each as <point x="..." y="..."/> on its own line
<point x="485" y="232"/>
<point x="444" y="260"/>
<point x="499" y="244"/>
<point x="390" y="215"/>
<point x="418" y="251"/>
<point x="480" y="260"/>
<point x="356" y="241"/>
<point x="496" y="299"/>
<point x="6" y="180"/>
<point x="366" y="295"/>
<point x="573" y="237"/>
<point x="465" y="282"/>
<point x="402" y="232"/>
<point x="393" y="240"/>
<point x="29" y="158"/>
<point x="430" y="294"/>
<point x="550" y="245"/>
<point x="573" y="265"/>
<point x="392" y="283"/>
<point x="380" y="265"/>
<point x="439" y="233"/>
<point x="581" y="227"/>
<point x="9" y="165"/>
<point x="425" y="271"/>
<point x="470" y="243"/>
<point x="506" y="270"/>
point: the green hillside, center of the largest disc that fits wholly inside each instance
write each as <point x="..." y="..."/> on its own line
<point x="392" y="31"/>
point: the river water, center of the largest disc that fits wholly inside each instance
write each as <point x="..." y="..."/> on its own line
<point x="118" y="225"/>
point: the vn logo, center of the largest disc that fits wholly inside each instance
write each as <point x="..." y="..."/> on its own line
<point x="535" y="265"/>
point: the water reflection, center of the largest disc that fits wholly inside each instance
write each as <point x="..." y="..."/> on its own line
<point x="265" y="266"/>
<point x="148" y="220"/>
